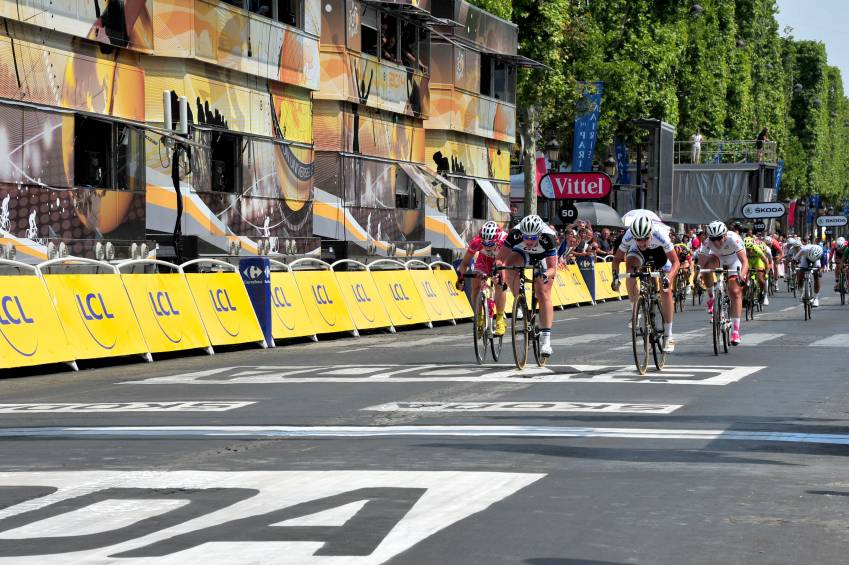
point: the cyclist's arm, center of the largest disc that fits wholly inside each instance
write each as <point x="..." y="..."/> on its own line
<point x="618" y="257"/>
<point x="464" y="264"/>
<point x="744" y="262"/>
<point x="676" y="264"/>
<point x="551" y="267"/>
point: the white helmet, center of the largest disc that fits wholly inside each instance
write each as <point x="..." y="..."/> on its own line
<point x="814" y="253"/>
<point x="642" y="227"/>
<point x="717" y="229"/>
<point x="531" y="225"/>
<point x="794" y="242"/>
<point x="489" y="231"/>
<point x="841" y="242"/>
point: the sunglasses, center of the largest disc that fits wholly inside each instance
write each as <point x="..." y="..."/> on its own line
<point x="530" y="237"/>
<point x="489" y="243"/>
<point x="642" y="238"/>
<point x="716" y="238"/>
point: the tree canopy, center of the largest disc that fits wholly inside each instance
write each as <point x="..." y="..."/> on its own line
<point x="719" y="65"/>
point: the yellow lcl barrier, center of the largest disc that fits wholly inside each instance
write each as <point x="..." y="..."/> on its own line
<point x="322" y="298"/>
<point x="95" y="310"/>
<point x="164" y="308"/>
<point x="399" y="294"/>
<point x="446" y="278"/>
<point x="360" y="294"/>
<point x="224" y="305"/>
<point x="433" y="295"/>
<point x="289" y="315"/>
<point x="29" y="326"/>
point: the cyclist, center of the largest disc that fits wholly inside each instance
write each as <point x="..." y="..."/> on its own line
<point x="758" y="263"/>
<point x="809" y="256"/>
<point x="777" y="254"/>
<point x="725" y="248"/>
<point x="840" y="257"/>
<point x="685" y="258"/>
<point x="486" y="246"/>
<point x="648" y="241"/>
<point x="532" y="242"/>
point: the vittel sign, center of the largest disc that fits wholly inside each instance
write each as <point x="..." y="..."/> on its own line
<point x="760" y="210"/>
<point x="575" y="186"/>
<point x="832" y="221"/>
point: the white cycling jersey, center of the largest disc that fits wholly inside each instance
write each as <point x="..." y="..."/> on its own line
<point x="727" y="251"/>
<point x="802" y="256"/>
<point x="659" y="239"/>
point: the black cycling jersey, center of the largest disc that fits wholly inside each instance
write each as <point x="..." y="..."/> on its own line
<point x="544" y="246"/>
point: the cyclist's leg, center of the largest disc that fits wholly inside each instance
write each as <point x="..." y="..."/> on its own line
<point x="735" y="292"/>
<point x="514" y="259"/>
<point x="708" y="262"/>
<point x="816" y="274"/>
<point x="542" y="290"/>
<point x="667" y="309"/>
<point x="632" y="261"/>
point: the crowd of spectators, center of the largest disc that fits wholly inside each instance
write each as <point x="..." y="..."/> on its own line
<point x="586" y="242"/>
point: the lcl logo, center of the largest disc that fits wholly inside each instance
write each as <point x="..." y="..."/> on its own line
<point x="221" y="301"/>
<point x="93" y="308"/>
<point x="398" y="293"/>
<point x="360" y="293"/>
<point x="15" y="316"/>
<point x="451" y="290"/>
<point x="88" y="307"/>
<point x="12" y="314"/>
<point x="278" y="298"/>
<point x="428" y="290"/>
<point x="319" y="292"/>
<point x="162" y="310"/>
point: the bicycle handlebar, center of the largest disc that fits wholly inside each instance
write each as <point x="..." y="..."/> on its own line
<point x="644" y="274"/>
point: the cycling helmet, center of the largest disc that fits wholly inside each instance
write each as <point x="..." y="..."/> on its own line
<point x="749" y="242"/>
<point x="794" y="242"/>
<point x="814" y="253"/>
<point x="717" y="229"/>
<point x="642" y="227"/>
<point x="489" y="231"/>
<point x="841" y="242"/>
<point x="531" y="225"/>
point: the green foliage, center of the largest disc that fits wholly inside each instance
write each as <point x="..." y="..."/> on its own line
<point x="726" y="70"/>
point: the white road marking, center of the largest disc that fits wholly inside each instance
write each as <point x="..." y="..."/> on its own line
<point x="750" y="339"/>
<point x="598" y="339"/>
<point x="837" y="340"/>
<point x="526" y="406"/>
<point x="158" y="406"/>
<point x="715" y="375"/>
<point x="411" y="343"/>
<point x="236" y="520"/>
<point x="788" y="308"/>
<point x="415" y="431"/>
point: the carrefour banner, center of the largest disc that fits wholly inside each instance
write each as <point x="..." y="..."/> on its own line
<point x="165" y="311"/>
<point x="586" y="126"/>
<point x="399" y="295"/>
<point x="225" y="308"/>
<point x="289" y="316"/>
<point x="96" y="312"/>
<point x="30" y="329"/>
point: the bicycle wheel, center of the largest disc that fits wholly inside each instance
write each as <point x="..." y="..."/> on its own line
<point x="495" y="344"/>
<point x="716" y="322"/>
<point x="535" y="333"/>
<point x="640" y="335"/>
<point x="842" y="288"/>
<point x="726" y="322"/>
<point x="656" y="336"/>
<point x="479" y="328"/>
<point x="748" y="302"/>
<point x="519" y="331"/>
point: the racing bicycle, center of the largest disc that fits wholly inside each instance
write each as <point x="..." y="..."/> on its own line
<point x="645" y="331"/>
<point x="483" y="329"/>
<point x="842" y="285"/>
<point x="680" y="293"/>
<point x="720" y="319"/>
<point x="807" y="290"/>
<point x="524" y="325"/>
<point x="790" y="277"/>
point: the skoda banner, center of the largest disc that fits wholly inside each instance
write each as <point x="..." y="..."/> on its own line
<point x="763" y="210"/>
<point x="831" y="221"/>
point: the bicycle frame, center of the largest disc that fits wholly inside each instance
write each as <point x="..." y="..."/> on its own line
<point x="720" y="319"/>
<point x="643" y="321"/>
<point x="523" y="323"/>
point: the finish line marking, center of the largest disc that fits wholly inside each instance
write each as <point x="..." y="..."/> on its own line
<point x="417" y="431"/>
<point x="112" y="407"/>
<point x="710" y="375"/>
<point x="526" y="406"/>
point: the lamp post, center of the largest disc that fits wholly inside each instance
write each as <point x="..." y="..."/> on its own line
<point x="552" y="153"/>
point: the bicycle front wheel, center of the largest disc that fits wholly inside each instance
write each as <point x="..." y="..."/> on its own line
<point x="725" y="315"/>
<point x="640" y="335"/>
<point x="519" y="331"/>
<point x="479" y="329"/>
<point x="656" y="335"/>
<point x="495" y="344"/>
<point x="535" y="333"/>
<point x="716" y="323"/>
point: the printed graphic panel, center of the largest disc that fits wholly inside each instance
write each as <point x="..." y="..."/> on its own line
<point x="399" y="295"/>
<point x="225" y="308"/>
<point x="323" y="301"/>
<point x="290" y="317"/>
<point x="95" y="311"/>
<point x="365" y="304"/>
<point x="433" y="294"/>
<point x="460" y="306"/>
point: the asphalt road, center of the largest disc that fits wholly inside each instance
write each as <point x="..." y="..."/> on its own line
<point x="399" y="449"/>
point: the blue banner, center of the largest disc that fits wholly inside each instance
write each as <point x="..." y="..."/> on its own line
<point x="813" y="205"/>
<point x="621" y="151"/>
<point x="256" y="274"/>
<point x="586" y="126"/>
<point x="778" y="172"/>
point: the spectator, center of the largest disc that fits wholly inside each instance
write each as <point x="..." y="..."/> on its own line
<point x="605" y="243"/>
<point x="759" y="144"/>
<point x="697" y="240"/>
<point x="697" y="146"/>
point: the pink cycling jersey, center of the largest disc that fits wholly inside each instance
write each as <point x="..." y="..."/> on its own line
<point x="486" y="254"/>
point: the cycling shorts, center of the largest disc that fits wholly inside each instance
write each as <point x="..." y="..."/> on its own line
<point x="730" y="262"/>
<point x="757" y="264"/>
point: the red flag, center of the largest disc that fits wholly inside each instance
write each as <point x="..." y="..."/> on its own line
<point x="791" y="214"/>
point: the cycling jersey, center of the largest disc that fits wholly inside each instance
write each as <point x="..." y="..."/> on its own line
<point x="659" y="245"/>
<point x="683" y="251"/>
<point x="544" y="246"/>
<point x="841" y="253"/>
<point x="486" y="254"/>
<point x="757" y="257"/>
<point x="726" y="251"/>
<point x="802" y="257"/>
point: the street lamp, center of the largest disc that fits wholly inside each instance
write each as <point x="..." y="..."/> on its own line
<point x="610" y="166"/>
<point x="552" y="152"/>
